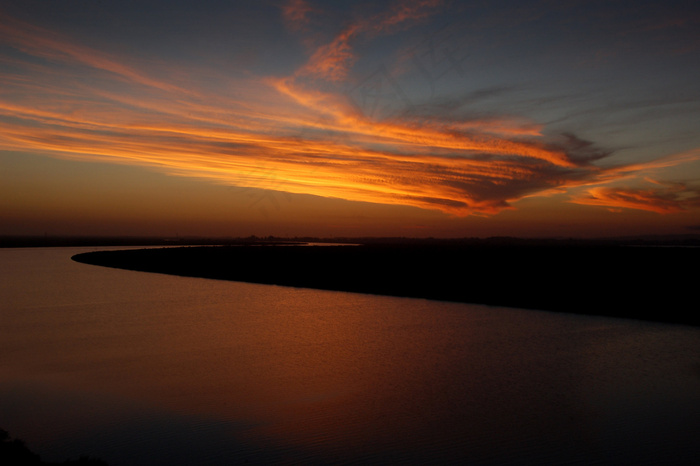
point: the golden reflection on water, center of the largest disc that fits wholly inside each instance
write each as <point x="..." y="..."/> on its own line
<point x="330" y="375"/>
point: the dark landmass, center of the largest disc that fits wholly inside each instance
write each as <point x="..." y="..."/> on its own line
<point x="14" y="452"/>
<point x="74" y="241"/>
<point x="642" y="280"/>
<point x="7" y="241"/>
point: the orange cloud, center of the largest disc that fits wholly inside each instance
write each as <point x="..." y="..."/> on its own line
<point x="290" y="134"/>
<point x="401" y="13"/>
<point x="332" y="61"/>
<point x="296" y="14"/>
<point x="666" y="198"/>
<point x="649" y="200"/>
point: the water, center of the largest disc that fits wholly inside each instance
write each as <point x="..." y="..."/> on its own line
<point x="148" y="369"/>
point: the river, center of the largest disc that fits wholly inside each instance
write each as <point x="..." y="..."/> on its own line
<point x="148" y="369"/>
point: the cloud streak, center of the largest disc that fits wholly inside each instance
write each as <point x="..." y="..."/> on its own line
<point x="300" y="133"/>
<point x="664" y="198"/>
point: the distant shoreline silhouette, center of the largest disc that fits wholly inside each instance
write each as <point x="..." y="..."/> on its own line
<point x="592" y="278"/>
<point x="14" y="452"/>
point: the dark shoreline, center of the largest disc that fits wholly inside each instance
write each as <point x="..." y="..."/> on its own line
<point x="14" y="452"/>
<point x="648" y="283"/>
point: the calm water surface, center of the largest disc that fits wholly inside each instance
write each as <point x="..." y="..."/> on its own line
<point x="147" y="369"/>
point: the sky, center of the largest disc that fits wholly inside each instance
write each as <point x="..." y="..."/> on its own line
<point x="423" y="118"/>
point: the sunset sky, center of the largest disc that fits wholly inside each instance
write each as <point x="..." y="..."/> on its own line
<point x="295" y="117"/>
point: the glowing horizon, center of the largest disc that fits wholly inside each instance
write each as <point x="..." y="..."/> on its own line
<point x="331" y="124"/>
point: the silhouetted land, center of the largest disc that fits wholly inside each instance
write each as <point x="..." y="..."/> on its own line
<point x="8" y="241"/>
<point x="72" y="241"/>
<point x="641" y="281"/>
<point x="14" y="452"/>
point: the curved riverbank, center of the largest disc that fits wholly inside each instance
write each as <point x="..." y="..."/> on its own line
<point x="612" y="280"/>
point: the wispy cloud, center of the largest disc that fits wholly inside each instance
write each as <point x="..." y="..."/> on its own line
<point x="300" y="133"/>
<point x="663" y="197"/>
<point x="53" y="46"/>
<point x="333" y="60"/>
<point x="662" y="200"/>
<point x="297" y="13"/>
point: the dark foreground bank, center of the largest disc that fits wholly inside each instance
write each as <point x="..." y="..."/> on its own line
<point x="650" y="283"/>
<point x="14" y="452"/>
